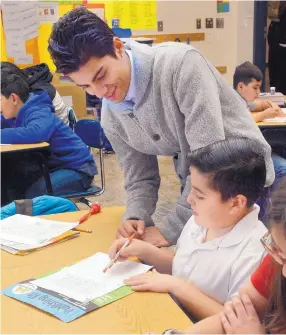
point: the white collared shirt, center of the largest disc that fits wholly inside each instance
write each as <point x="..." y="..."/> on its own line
<point x="130" y="96"/>
<point x="221" y="266"/>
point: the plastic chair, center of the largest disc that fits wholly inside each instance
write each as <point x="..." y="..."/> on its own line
<point x="122" y="33"/>
<point x="91" y="133"/>
<point x="72" y="118"/>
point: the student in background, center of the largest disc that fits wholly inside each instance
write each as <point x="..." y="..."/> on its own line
<point x="247" y="80"/>
<point x="219" y="246"/>
<point x="39" y="78"/>
<point x="261" y="306"/>
<point x="72" y="168"/>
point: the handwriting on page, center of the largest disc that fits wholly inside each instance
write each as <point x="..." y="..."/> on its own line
<point x="75" y="286"/>
<point x="32" y="230"/>
<point x="86" y="281"/>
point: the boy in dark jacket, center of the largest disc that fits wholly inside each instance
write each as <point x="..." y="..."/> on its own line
<point x="71" y="166"/>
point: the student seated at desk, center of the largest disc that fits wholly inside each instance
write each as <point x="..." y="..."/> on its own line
<point x="39" y="78"/>
<point x="71" y="166"/>
<point x="219" y="246"/>
<point x="261" y="306"/>
<point x="247" y="81"/>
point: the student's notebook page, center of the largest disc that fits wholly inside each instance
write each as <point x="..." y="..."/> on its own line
<point x="86" y="280"/>
<point x="32" y="231"/>
<point x="277" y="119"/>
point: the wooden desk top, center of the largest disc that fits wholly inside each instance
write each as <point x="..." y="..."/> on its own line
<point x="23" y="147"/>
<point x="137" y="313"/>
<point x="271" y="124"/>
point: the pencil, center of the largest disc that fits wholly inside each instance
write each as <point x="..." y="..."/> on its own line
<point x="83" y="230"/>
<point x="109" y="265"/>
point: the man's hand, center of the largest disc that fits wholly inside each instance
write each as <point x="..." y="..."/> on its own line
<point x="129" y="227"/>
<point x="154" y="236"/>
<point x="155" y="282"/>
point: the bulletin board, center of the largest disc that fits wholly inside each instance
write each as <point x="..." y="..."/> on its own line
<point x="136" y="15"/>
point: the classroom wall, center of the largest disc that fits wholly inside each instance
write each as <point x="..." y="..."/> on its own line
<point x="229" y="46"/>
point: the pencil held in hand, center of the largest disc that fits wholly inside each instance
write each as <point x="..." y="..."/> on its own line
<point x="110" y="264"/>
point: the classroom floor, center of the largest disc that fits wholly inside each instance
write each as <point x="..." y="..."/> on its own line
<point x="114" y="194"/>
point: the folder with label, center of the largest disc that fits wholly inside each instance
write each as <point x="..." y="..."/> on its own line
<point x="77" y="289"/>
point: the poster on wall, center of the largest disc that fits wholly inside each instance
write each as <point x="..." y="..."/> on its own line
<point x="20" y="24"/>
<point x="48" y="12"/>
<point x="136" y="15"/>
<point x="222" y="6"/>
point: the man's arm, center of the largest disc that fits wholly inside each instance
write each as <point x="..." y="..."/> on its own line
<point x="142" y="180"/>
<point x="197" y="94"/>
<point x="175" y="221"/>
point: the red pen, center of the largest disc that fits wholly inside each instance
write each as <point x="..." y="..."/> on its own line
<point x="95" y="208"/>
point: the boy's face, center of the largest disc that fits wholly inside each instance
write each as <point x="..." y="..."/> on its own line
<point x="106" y="77"/>
<point x="249" y="92"/>
<point x="10" y="106"/>
<point x="208" y="208"/>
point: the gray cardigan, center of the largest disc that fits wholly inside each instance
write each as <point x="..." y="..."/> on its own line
<point x="182" y="104"/>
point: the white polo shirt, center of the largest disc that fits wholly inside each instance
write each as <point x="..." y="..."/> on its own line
<point x="221" y="266"/>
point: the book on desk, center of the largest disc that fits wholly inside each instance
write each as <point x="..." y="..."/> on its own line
<point x="277" y="98"/>
<point x="22" y="234"/>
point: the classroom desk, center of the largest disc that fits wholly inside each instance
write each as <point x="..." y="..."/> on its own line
<point x="23" y="147"/>
<point x="137" y="313"/>
<point x="35" y="149"/>
<point x="271" y="125"/>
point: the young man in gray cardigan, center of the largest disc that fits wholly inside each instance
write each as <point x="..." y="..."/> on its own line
<point x="166" y="100"/>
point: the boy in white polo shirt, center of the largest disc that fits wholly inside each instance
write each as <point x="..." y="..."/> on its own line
<point x="220" y="245"/>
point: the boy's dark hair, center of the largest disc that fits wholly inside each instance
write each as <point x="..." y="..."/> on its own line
<point x="13" y="82"/>
<point x="12" y="68"/>
<point x="245" y="72"/>
<point x="234" y="167"/>
<point x="78" y="36"/>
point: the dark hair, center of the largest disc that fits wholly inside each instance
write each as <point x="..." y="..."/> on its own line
<point x="234" y="167"/>
<point x="276" y="312"/>
<point x="12" y="81"/>
<point x="12" y="68"/>
<point x="78" y="36"/>
<point x="245" y="72"/>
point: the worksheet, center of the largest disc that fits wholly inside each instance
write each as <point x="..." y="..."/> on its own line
<point x="86" y="280"/>
<point x="32" y="231"/>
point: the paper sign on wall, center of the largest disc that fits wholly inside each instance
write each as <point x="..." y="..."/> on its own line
<point x="20" y="24"/>
<point x="136" y="15"/>
<point x="48" y="12"/>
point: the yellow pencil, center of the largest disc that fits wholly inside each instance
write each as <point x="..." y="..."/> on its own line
<point x="109" y="265"/>
<point x="83" y="230"/>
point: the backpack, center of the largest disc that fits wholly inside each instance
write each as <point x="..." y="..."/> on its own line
<point x="42" y="205"/>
